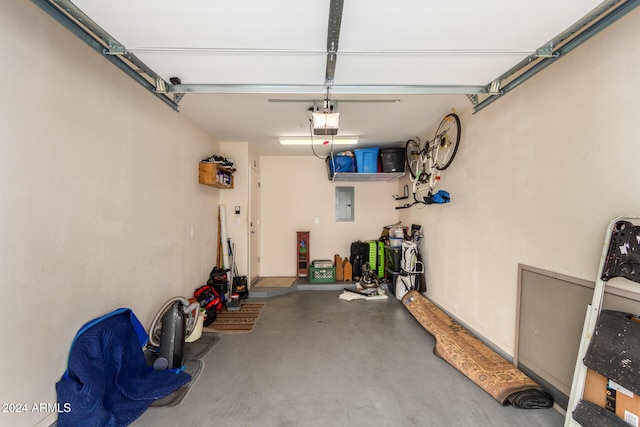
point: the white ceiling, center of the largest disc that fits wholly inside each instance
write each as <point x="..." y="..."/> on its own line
<point x="284" y="42"/>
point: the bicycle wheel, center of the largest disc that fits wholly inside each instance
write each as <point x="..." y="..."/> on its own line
<point x="448" y="139"/>
<point x="412" y="156"/>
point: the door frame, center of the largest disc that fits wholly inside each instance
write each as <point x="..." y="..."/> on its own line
<point x="253" y="220"/>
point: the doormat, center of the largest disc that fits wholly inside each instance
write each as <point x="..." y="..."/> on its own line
<point x="494" y="374"/>
<point x="274" y="282"/>
<point x="199" y="348"/>
<point x="241" y="321"/>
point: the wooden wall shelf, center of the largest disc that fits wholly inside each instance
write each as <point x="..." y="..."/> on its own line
<point x="215" y="175"/>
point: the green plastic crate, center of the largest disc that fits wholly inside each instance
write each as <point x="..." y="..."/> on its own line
<point x="376" y="257"/>
<point x="322" y="275"/>
<point x="380" y="264"/>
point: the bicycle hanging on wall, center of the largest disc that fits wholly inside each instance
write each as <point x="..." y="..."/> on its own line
<point x="426" y="161"/>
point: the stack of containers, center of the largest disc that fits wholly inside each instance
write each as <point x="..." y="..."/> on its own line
<point x="375" y="160"/>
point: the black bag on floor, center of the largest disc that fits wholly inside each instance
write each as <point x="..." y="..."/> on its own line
<point x="219" y="279"/>
<point x="359" y="255"/>
<point x="240" y="287"/>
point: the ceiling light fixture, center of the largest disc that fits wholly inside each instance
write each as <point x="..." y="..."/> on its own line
<point x="305" y="140"/>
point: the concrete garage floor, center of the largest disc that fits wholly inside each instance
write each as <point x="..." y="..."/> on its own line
<point x="315" y="360"/>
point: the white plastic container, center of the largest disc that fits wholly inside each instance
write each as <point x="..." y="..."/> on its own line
<point x="197" y="331"/>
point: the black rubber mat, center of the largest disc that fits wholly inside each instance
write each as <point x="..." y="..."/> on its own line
<point x="192" y="367"/>
<point x="614" y="350"/>
<point x="199" y="348"/>
<point x="591" y="415"/>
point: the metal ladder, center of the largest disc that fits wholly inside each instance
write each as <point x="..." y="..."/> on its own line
<point x="593" y="312"/>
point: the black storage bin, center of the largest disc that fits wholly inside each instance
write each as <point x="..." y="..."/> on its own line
<point x="392" y="160"/>
<point x="392" y="260"/>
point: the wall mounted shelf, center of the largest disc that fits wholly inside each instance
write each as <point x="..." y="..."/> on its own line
<point x="215" y="175"/>
<point x="355" y="176"/>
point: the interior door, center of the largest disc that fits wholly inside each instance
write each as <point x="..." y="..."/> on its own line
<point x="254" y="225"/>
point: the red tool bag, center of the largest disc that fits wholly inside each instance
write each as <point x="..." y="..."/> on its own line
<point x="211" y="301"/>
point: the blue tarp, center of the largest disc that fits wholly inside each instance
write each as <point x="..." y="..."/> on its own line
<point x="108" y="382"/>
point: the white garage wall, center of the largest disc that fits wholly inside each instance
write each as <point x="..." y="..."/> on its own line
<point x="295" y="191"/>
<point x="98" y="197"/>
<point x="539" y="176"/>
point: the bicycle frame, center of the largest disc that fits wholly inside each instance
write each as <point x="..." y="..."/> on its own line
<point x="426" y="161"/>
<point x="427" y="174"/>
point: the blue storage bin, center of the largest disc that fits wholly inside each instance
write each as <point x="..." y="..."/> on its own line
<point x="367" y="160"/>
<point x="340" y="164"/>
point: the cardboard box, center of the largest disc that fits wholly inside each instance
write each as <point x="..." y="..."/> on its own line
<point x="609" y="395"/>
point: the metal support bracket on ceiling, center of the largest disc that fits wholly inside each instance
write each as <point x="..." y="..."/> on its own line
<point x="115" y="48"/>
<point x="83" y="27"/>
<point x="161" y="86"/>
<point x="592" y="24"/>
<point x="494" y="87"/>
<point x="546" y="51"/>
<point x="177" y="97"/>
<point x="333" y="36"/>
